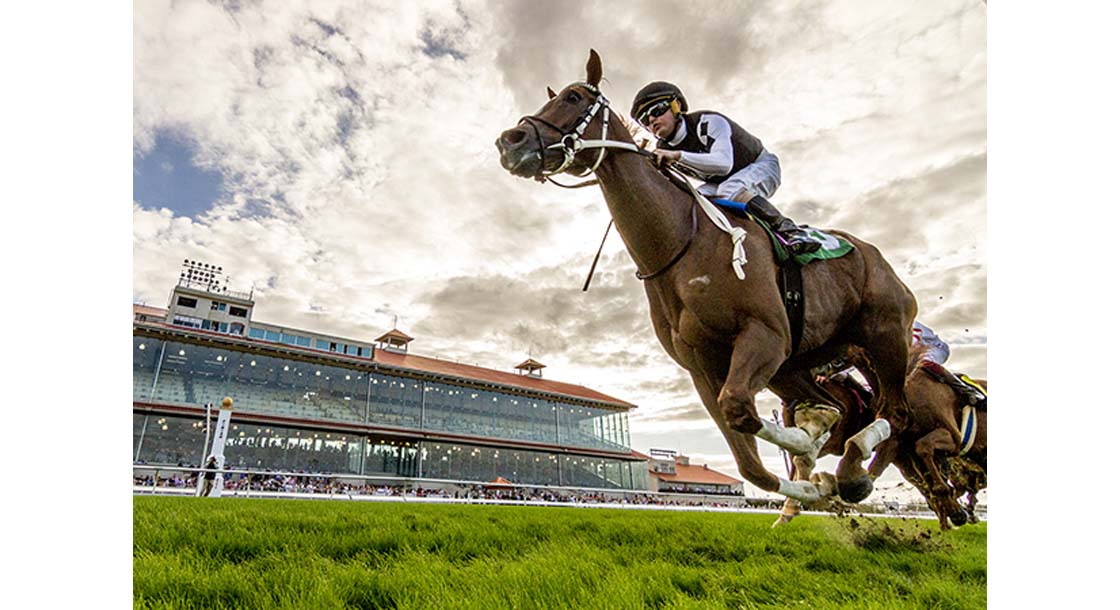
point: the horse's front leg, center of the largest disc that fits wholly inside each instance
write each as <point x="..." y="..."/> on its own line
<point x="757" y="354"/>
<point x="945" y="502"/>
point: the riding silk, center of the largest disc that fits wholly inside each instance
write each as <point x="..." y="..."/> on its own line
<point x="713" y="147"/>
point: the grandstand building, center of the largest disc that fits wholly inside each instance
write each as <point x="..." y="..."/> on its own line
<point x="311" y="402"/>
<point x="671" y="472"/>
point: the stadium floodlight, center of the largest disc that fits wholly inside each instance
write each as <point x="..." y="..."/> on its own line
<point x="203" y="275"/>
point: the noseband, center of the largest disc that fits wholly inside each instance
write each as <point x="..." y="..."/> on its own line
<point x="572" y="143"/>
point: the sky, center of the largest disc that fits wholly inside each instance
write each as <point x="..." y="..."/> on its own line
<point x="338" y="159"/>
<point x="112" y="82"/>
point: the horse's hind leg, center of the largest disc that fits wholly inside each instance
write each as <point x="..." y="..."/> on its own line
<point x="816" y="421"/>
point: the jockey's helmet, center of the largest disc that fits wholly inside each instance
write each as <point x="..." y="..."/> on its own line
<point x="650" y="98"/>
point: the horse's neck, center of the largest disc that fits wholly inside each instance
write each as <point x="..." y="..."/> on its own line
<point x="646" y="208"/>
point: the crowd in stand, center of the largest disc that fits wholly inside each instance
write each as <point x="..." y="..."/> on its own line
<point x="308" y="484"/>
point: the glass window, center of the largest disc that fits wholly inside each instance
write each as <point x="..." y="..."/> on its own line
<point x="187" y="321"/>
<point x="394" y="401"/>
<point x="272" y="335"/>
<point x="351" y="350"/>
<point x="187" y="302"/>
<point x="303" y="341"/>
<point x="145" y="357"/>
<point x="256" y="333"/>
<point x="239" y="312"/>
<point x="323" y="345"/>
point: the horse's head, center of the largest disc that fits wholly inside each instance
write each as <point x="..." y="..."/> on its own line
<point x="546" y="143"/>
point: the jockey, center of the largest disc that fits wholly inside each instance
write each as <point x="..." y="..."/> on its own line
<point x="711" y="147"/>
<point x="937" y="352"/>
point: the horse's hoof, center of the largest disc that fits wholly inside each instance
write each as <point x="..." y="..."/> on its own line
<point x="854" y="492"/>
<point x="959" y="517"/>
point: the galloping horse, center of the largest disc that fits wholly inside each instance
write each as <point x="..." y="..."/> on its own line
<point x="932" y="447"/>
<point x="928" y="450"/>
<point x="731" y="334"/>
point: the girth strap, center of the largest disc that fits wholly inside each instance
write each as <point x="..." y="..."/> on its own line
<point x="793" y="296"/>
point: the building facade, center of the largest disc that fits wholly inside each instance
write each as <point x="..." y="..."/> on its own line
<point x="309" y="402"/>
<point x="671" y="472"/>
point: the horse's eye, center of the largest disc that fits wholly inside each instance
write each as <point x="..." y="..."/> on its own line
<point x="573" y="97"/>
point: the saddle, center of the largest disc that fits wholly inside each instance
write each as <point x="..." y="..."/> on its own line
<point x="831" y="245"/>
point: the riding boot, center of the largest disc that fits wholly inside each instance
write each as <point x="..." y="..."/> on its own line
<point x="970" y="394"/>
<point x="795" y="238"/>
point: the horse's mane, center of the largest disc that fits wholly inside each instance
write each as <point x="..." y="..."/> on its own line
<point x="917" y="350"/>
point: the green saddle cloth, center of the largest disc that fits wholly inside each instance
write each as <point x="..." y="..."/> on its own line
<point x="832" y="246"/>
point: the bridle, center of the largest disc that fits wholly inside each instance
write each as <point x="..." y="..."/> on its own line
<point x="572" y="143"/>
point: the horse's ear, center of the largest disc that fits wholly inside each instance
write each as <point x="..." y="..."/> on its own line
<point x="594" y="69"/>
<point x="551" y="93"/>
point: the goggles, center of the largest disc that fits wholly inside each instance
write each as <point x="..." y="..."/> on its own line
<point x="654" y="111"/>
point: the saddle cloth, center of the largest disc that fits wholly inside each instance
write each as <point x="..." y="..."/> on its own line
<point x="972" y="382"/>
<point x="831" y="245"/>
<point x="968" y="418"/>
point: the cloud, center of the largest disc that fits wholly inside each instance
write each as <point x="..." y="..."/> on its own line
<point x="360" y="178"/>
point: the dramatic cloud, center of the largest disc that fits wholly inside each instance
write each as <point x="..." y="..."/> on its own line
<point x="353" y="143"/>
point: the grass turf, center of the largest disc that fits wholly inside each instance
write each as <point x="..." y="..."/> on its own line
<point x="265" y="553"/>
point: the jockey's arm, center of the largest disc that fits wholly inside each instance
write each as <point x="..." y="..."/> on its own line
<point x="721" y="156"/>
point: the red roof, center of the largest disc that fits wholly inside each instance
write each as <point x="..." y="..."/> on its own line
<point x="696" y="474"/>
<point x="477" y="373"/>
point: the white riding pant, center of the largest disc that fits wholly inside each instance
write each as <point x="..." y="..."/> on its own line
<point x="938" y="351"/>
<point x="762" y="177"/>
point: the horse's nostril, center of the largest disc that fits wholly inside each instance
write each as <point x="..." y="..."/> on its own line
<point x="513" y="137"/>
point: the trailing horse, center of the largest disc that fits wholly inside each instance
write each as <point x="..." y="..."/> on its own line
<point x="933" y="454"/>
<point x="729" y="331"/>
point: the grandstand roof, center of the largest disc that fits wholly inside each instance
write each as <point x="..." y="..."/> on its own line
<point x="477" y="373"/>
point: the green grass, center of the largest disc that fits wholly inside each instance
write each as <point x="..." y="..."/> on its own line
<point x="252" y="553"/>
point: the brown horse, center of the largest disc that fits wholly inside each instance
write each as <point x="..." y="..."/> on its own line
<point x="929" y="457"/>
<point x="732" y="335"/>
<point x="927" y="452"/>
